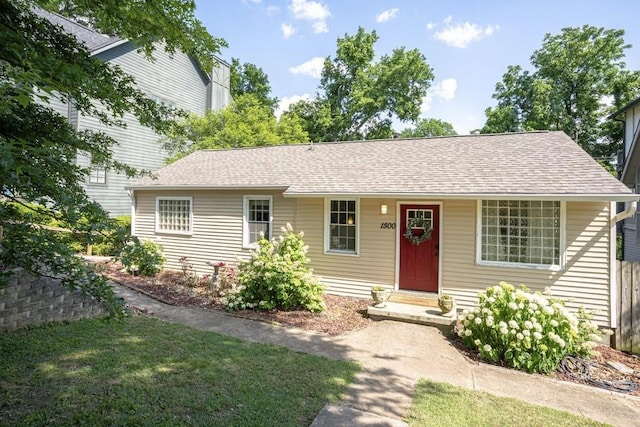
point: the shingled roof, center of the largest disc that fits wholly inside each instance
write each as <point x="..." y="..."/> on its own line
<point x="93" y="40"/>
<point x="534" y="164"/>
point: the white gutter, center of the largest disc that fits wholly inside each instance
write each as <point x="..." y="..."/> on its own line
<point x="605" y="197"/>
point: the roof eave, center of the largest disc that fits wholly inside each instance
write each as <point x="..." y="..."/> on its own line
<point x="607" y="197"/>
<point x="143" y="187"/>
<point x="623" y="109"/>
<point x="109" y="46"/>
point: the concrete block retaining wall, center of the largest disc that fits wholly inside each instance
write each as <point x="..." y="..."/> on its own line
<point x="30" y="300"/>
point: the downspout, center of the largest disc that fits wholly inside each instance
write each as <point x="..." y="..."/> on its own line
<point x="631" y="209"/>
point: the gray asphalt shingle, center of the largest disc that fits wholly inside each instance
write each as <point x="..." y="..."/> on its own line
<point x="535" y="163"/>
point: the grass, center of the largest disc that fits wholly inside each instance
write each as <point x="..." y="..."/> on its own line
<point x="438" y="404"/>
<point x="142" y="371"/>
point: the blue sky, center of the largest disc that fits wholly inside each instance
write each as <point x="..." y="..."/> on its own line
<point x="469" y="44"/>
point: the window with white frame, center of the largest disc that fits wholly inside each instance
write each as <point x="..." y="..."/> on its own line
<point x="97" y="175"/>
<point x="257" y="218"/>
<point x="174" y="215"/>
<point x="521" y="232"/>
<point x="342" y="226"/>
<point x="169" y="105"/>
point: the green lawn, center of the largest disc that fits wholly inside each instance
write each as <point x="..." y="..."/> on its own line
<point x="145" y="372"/>
<point x="442" y="405"/>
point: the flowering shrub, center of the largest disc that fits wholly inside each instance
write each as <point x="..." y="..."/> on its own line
<point x="142" y="257"/>
<point x="528" y="331"/>
<point x="277" y="277"/>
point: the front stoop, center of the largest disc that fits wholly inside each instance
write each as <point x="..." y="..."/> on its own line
<point x="413" y="314"/>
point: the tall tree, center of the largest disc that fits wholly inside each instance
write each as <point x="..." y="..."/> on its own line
<point x="247" y="122"/>
<point x="38" y="147"/>
<point x="579" y="78"/>
<point x="429" y="127"/>
<point x="248" y="78"/>
<point x="358" y="97"/>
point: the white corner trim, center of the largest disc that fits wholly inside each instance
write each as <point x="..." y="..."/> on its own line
<point x="613" y="271"/>
<point x="132" y="196"/>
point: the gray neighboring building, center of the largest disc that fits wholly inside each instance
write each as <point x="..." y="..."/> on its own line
<point x="175" y="79"/>
<point x="629" y="159"/>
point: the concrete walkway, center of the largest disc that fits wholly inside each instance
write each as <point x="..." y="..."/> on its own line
<point x="394" y="357"/>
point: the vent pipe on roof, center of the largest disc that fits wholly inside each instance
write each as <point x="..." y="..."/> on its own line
<point x="310" y="145"/>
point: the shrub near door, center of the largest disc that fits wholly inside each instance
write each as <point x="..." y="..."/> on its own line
<point x="277" y="277"/>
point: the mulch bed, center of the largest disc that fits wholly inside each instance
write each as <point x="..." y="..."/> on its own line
<point x="343" y="315"/>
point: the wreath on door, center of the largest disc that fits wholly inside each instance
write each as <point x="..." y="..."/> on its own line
<point x="418" y="223"/>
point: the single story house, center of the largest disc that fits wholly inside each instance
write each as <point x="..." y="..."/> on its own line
<point x="531" y="208"/>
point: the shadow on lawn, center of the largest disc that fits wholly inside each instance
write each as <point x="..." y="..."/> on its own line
<point x="145" y="371"/>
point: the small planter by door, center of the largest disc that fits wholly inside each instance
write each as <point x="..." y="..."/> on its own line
<point x="446" y="304"/>
<point x="379" y="297"/>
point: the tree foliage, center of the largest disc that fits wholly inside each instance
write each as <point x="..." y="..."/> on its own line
<point x="38" y="147"/>
<point x="578" y="79"/>
<point x="358" y="97"/>
<point x="429" y="127"/>
<point x="247" y="122"/>
<point x="248" y="78"/>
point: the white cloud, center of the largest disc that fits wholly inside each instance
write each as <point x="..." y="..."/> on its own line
<point x="312" y="67"/>
<point x="273" y="10"/>
<point x="445" y="89"/>
<point x="460" y="35"/>
<point x="387" y="15"/>
<point x="252" y="1"/>
<point x="284" y="103"/>
<point x="430" y="25"/>
<point x="312" y="11"/>
<point x="287" y="30"/>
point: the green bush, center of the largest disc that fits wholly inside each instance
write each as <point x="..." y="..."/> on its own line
<point x="142" y="257"/>
<point x="527" y="331"/>
<point x="277" y="277"/>
<point x="108" y="243"/>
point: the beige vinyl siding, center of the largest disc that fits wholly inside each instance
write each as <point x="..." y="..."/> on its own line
<point x="346" y="274"/>
<point x="584" y="279"/>
<point x="217" y="226"/>
<point x="217" y="236"/>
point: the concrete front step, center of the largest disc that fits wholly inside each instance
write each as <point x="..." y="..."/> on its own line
<point x="414" y="298"/>
<point x="414" y="314"/>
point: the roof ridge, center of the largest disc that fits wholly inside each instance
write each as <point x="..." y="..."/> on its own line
<point x="356" y="141"/>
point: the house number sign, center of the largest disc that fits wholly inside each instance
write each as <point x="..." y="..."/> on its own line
<point x="388" y="225"/>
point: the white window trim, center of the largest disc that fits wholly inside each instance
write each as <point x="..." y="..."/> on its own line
<point x="245" y="218"/>
<point x="92" y="170"/>
<point x="157" y="224"/>
<point x="327" y="229"/>
<point x="552" y="267"/>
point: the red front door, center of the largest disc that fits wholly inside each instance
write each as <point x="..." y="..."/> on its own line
<point x="419" y="260"/>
